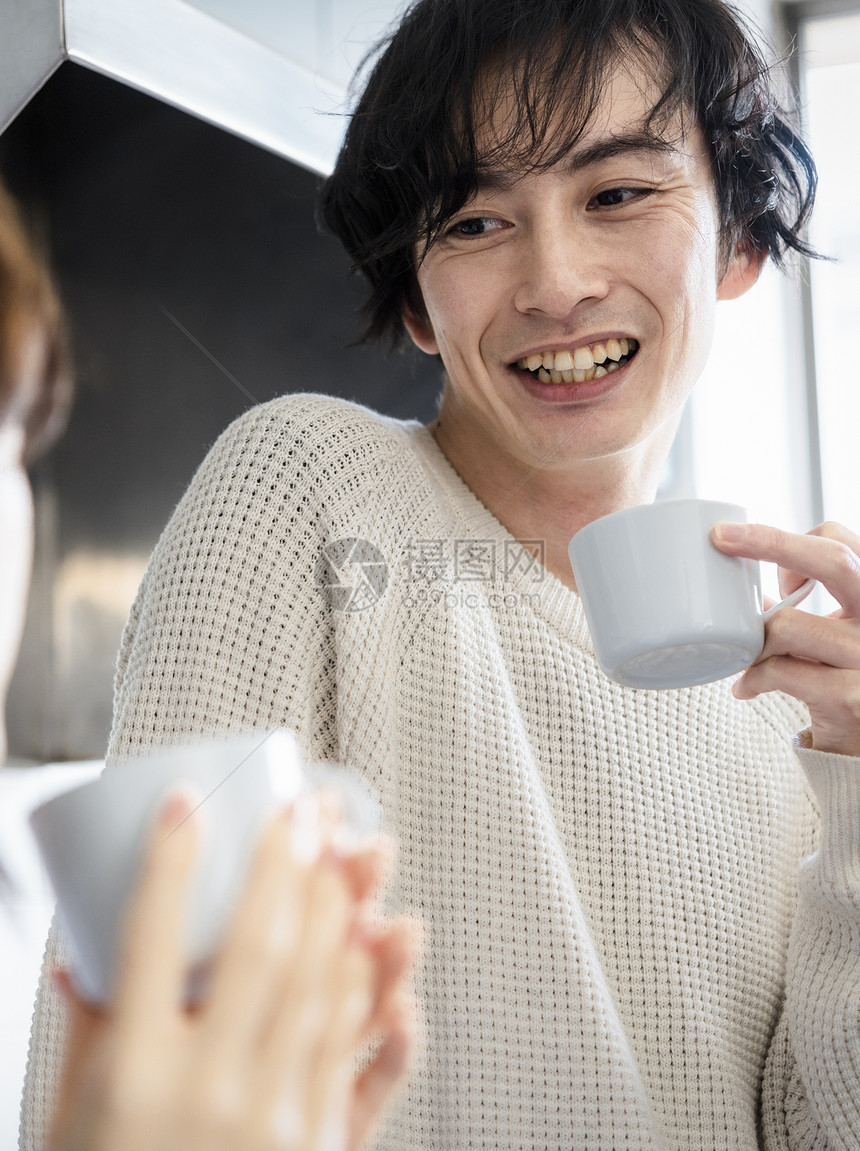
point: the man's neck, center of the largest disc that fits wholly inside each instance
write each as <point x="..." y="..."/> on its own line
<point x="552" y="504"/>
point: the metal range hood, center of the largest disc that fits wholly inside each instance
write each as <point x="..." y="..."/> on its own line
<point x="273" y="71"/>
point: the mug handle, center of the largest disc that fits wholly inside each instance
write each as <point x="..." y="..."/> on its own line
<point x="792" y="600"/>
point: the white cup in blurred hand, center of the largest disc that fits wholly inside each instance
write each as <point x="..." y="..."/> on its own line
<point x="93" y="839"/>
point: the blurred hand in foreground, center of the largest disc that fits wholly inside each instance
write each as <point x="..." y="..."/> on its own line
<point x="268" y="1060"/>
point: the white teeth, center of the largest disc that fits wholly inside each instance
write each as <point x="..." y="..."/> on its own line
<point x="579" y="365"/>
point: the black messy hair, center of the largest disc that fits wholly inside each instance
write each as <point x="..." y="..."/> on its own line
<point x="410" y="158"/>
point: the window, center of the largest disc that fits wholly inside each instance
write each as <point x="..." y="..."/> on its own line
<point x="774" y="423"/>
<point x="829" y="61"/>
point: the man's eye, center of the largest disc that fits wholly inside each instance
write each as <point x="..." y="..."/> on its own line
<point x="474" y="226"/>
<point x="612" y="196"/>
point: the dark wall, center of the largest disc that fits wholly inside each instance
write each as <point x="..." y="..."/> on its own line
<point x="149" y="214"/>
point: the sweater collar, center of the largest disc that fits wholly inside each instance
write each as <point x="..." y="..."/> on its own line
<point x="558" y="604"/>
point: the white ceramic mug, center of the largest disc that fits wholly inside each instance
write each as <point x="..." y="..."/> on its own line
<point x="664" y="607"/>
<point x="92" y="840"/>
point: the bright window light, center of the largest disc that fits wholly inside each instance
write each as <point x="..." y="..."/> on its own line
<point x="831" y="72"/>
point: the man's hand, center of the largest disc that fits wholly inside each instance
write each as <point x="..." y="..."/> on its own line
<point x="813" y="658"/>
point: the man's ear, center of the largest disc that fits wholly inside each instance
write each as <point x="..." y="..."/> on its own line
<point x="420" y="331"/>
<point x="742" y="272"/>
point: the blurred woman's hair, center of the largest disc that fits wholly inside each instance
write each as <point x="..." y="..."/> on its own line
<point x="35" y="371"/>
<point x="415" y="147"/>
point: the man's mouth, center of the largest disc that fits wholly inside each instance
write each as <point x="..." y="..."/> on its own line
<point x="589" y="362"/>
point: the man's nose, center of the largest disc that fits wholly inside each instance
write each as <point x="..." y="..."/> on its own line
<point x="562" y="268"/>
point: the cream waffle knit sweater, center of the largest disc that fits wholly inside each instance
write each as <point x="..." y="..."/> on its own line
<point x="625" y="948"/>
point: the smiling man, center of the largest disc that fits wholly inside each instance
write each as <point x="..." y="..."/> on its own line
<point x="631" y="940"/>
<point x="589" y="288"/>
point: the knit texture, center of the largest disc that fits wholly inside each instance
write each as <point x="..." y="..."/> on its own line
<point x="619" y="954"/>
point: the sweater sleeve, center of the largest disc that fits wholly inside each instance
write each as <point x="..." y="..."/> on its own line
<point x="229" y="631"/>
<point x="812" y="1079"/>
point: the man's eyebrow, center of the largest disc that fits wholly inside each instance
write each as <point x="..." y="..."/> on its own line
<point x="612" y="146"/>
<point x="501" y="179"/>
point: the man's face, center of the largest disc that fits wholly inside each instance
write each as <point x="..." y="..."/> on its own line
<point x="604" y="269"/>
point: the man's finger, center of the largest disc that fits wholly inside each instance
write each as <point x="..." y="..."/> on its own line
<point x="829" y="554"/>
<point x="826" y="640"/>
<point x="832" y="696"/>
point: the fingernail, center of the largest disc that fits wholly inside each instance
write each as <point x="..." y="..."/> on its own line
<point x="731" y="533"/>
<point x="177" y="808"/>
<point x="60" y="981"/>
<point x="307" y="838"/>
<point x="330" y="811"/>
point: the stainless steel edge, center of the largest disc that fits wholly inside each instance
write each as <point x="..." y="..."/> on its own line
<point x="31" y="40"/>
<point x="174" y="51"/>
